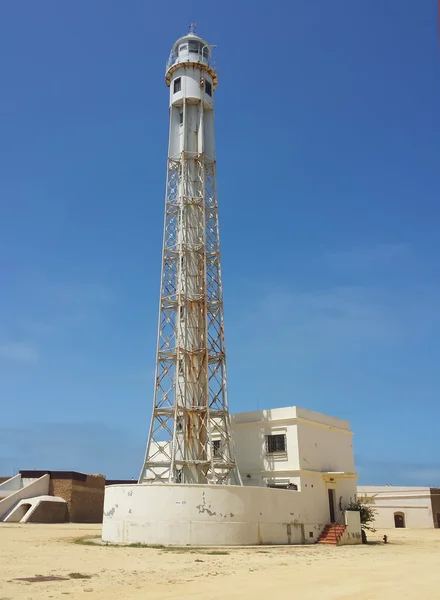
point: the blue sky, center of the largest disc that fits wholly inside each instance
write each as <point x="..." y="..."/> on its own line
<point x="328" y="148"/>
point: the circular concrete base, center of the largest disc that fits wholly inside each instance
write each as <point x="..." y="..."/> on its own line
<point x="202" y="515"/>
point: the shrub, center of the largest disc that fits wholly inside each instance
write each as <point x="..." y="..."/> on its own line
<point x="367" y="514"/>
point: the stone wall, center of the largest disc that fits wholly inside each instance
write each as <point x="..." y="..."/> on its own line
<point x="83" y="493"/>
<point x="49" y="512"/>
<point x="84" y="496"/>
<point x="63" y="489"/>
<point x="435" y="502"/>
<point x="87" y="501"/>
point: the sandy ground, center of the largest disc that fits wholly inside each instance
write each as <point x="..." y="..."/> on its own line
<point x="408" y="567"/>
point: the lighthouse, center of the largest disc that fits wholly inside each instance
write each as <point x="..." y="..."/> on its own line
<point x="189" y="491"/>
<point x="189" y="439"/>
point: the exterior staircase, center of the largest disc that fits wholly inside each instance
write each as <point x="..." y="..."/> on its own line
<point x="331" y="534"/>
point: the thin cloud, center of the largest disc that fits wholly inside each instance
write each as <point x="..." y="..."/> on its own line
<point x="87" y="447"/>
<point x="58" y="309"/>
<point x="37" y="328"/>
<point x="74" y="304"/>
<point x="60" y="306"/>
<point x="347" y="316"/>
<point x="378" y="256"/>
<point x="77" y="294"/>
<point x="19" y="351"/>
<point x="142" y="375"/>
<point x="397" y="473"/>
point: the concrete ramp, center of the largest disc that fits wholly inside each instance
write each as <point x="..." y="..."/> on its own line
<point x="28" y="489"/>
<point x="10" y="485"/>
<point x="42" y="509"/>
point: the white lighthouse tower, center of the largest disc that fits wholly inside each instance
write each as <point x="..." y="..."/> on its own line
<point x="178" y="499"/>
<point x="189" y="440"/>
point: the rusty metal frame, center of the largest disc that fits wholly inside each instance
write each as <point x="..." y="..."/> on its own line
<point x="190" y="408"/>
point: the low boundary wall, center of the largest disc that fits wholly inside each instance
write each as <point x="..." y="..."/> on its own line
<point x="205" y="515"/>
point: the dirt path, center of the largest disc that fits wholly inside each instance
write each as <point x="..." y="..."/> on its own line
<point x="406" y="568"/>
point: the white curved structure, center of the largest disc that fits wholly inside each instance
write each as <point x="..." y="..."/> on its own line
<point x="18" y="488"/>
<point x="24" y="510"/>
<point x="203" y="515"/>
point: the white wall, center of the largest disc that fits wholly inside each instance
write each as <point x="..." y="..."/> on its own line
<point x="250" y="448"/>
<point x="315" y="487"/>
<point x="196" y="132"/>
<point x="319" y="457"/>
<point x="413" y="502"/>
<point x="287" y="414"/>
<point x="325" y="448"/>
<point x="323" y="444"/>
<point x="179" y="514"/>
<point x="352" y="534"/>
<point x="10" y="485"/>
<point x="38" y="487"/>
<point x="315" y="442"/>
<point x="190" y="84"/>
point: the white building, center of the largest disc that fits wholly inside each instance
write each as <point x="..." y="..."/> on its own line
<point x="308" y="456"/>
<point x="395" y="506"/>
<point x="300" y="450"/>
<point x="296" y="449"/>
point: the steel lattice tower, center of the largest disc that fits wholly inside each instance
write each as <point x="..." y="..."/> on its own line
<point x="189" y="439"/>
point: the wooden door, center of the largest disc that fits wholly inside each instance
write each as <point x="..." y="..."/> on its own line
<point x="399" y="520"/>
<point x="331" y="505"/>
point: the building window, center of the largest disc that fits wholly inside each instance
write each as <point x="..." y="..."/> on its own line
<point x="276" y="444"/>
<point x="194" y="46"/>
<point x="177" y="85"/>
<point x="217" y="448"/>
<point x="181" y="118"/>
<point x="208" y="88"/>
<point x="283" y="486"/>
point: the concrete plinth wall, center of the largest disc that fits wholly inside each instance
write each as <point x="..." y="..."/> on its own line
<point x="179" y="514"/>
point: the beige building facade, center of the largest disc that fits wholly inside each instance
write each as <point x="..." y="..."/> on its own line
<point x="400" y="506"/>
<point x="301" y="450"/>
